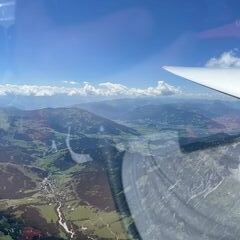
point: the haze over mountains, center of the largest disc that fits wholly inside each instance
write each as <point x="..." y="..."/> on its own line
<point x="130" y="108"/>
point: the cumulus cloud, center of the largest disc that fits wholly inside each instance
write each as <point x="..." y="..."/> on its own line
<point x="107" y="89"/>
<point x="225" y="60"/>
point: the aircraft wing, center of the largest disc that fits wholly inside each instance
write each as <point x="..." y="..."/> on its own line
<point x="225" y="80"/>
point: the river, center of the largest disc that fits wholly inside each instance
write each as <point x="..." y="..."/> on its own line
<point x="62" y="222"/>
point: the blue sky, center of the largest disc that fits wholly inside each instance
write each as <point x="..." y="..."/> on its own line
<point x="125" y="41"/>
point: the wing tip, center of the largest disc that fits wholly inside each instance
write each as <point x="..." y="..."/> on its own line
<point x="172" y="68"/>
<point x="166" y="67"/>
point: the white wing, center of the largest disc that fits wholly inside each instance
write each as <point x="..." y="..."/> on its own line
<point x="226" y="80"/>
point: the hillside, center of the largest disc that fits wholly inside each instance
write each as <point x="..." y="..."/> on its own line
<point x="42" y="177"/>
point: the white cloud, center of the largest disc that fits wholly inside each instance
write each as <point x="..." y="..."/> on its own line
<point x="70" y="82"/>
<point x="225" y="60"/>
<point x="87" y="89"/>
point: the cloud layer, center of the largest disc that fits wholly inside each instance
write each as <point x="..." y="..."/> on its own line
<point x="107" y="89"/>
<point x="226" y="60"/>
